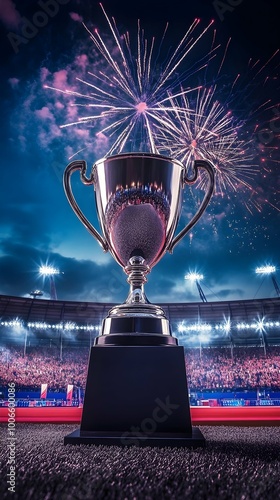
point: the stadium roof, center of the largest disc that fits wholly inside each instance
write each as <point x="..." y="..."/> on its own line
<point x="239" y="322"/>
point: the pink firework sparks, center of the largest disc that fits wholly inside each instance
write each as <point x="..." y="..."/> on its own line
<point x="131" y="95"/>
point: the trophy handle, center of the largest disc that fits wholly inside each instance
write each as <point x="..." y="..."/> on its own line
<point x="70" y="169"/>
<point x="210" y="170"/>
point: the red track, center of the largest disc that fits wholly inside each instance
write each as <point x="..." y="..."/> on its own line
<point x="254" y="415"/>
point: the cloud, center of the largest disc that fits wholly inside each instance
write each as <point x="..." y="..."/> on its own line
<point x="44" y="113"/>
<point x="81" y="279"/>
<point x="9" y="14"/>
<point x="101" y="143"/>
<point x="44" y="74"/>
<point x="60" y="79"/>
<point x="76" y="17"/>
<point x="220" y="216"/>
<point x="47" y="108"/>
<point x="59" y="105"/>
<point x="86" y="280"/>
<point x="13" y="82"/>
<point x="71" y="112"/>
<point x="82" y="61"/>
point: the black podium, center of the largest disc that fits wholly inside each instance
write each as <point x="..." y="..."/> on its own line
<point x="136" y="394"/>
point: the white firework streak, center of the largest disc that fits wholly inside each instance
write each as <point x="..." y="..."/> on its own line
<point x="132" y="96"/>
<point x="208" y="132"/>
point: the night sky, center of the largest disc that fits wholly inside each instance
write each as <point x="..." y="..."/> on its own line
<point x="240" y="229"/>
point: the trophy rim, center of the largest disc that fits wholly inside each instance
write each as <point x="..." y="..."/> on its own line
<point x="140" y="155"/>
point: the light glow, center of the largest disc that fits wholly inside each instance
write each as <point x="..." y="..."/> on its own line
<point x="48" y="270"/>
<point x="62" y="326"/>
<point x="266" y="269"/>
<point x="258" y="324"/>
<point x="194" y="276"/>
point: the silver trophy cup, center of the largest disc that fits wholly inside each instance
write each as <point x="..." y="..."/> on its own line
<point x="136" y="367"/>
<point x="138" y="202"/>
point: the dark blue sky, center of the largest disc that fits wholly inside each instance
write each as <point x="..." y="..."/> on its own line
<point x="239" y="231"/>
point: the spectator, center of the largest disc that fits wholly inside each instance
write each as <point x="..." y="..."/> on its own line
<point x="214" y="369"/>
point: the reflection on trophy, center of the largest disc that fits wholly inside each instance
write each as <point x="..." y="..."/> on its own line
<point x="136" y="369"/>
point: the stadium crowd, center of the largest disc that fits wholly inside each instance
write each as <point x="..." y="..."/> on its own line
<point x="43" y="365"/>
<point x="248" y="368"/>
<point x="207" y="369"/>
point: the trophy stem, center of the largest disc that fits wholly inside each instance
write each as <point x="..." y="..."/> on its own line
<point x="137" y="270"/>
<point x="136" y="315"/>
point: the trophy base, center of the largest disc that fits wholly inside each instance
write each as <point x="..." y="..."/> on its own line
<point x="128" y="324"/>
<point x="136" y="395"/>
<point x="135" y="339"/>
<point x="160" y="440"/>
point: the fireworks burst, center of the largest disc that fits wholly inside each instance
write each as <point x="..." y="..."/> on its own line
<point x="131" y="96"/>
<point x="202" y="128"/>
<point x="141" y="105"/>
<point x="224" y="122"/>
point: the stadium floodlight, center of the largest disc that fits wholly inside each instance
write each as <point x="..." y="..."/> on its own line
<point x="196" y="277"/>
<point x="266" y="269"/>
<point x="36" y="293"/>
<point x="192" y="276"/>
<point x="269" y="270"/>
<point x="50" y="272"/>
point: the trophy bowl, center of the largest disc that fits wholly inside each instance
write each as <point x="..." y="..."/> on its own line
<point x="138" y="203"/>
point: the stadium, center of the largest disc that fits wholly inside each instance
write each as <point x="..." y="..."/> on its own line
<point x="232" y="352"/>
<point x="213" y="332"/>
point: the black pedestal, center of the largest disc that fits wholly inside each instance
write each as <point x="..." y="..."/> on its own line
<point x="136" y="395"/>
